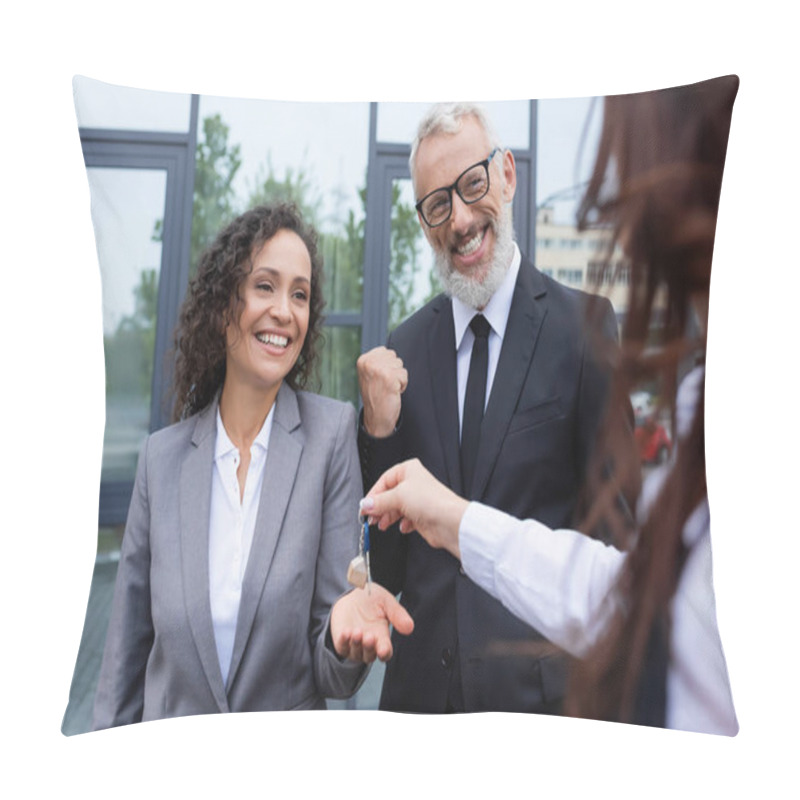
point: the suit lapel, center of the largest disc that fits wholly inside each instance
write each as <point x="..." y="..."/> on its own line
<point x="444" y="389"/>
<point x="280" y="471"/>
<point x="195" y="505"/>
<point x="519" y="344"/>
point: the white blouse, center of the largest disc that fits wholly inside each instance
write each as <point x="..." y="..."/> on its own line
<point x="230" y="533"/>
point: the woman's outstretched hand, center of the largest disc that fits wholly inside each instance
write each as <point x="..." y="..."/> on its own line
<point x="360" y="623"/>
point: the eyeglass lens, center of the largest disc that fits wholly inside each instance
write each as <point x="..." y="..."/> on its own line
<point x="471" y="187"/>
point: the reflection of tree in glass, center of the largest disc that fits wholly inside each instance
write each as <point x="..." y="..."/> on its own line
<point x="296" y="187"/>
<point x="405" y="296"/>
<point x="214" y="202"/>
<point x="216" y="165"/>
<point x="129" y="350"/>
<point x="341" y="239"/>
<point x="341" y="243"/>
<point x="343" y="254"/>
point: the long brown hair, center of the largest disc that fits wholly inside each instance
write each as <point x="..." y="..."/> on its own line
<point x="656" y="185"/>
<point x="214" y="300"/>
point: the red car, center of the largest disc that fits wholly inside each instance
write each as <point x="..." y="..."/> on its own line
<point x="653" y="440"/>
<point x="651" y="437"/>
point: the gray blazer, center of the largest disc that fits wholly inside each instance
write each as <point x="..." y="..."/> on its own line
<point x="160" y="656"/>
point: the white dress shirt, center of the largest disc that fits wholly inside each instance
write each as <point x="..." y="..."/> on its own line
<point x="496" y="313"/>
<point x="561" y="582"/>
<point x="230" y="533"/>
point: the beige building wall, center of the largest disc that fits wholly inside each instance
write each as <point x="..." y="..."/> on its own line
<point x="575" y="259"/>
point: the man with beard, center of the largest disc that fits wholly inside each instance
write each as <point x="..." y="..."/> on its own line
<point x="545" y="393"/>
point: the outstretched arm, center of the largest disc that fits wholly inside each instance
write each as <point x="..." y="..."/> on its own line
<point x="558" y="581"/>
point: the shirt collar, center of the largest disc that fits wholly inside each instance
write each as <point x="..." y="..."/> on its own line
<point x="224" y="445"/>
<point x="498" y="307"/>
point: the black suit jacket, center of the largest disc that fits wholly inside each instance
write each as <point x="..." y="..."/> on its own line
<point x="547" y="400"/>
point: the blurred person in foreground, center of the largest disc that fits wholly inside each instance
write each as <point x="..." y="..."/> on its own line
<point x="516" y="434"/>
<point x="231" y="592"/>
<point x="641" y="616"/>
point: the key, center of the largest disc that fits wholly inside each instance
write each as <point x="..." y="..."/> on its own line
<point x="365" y="535"/>
<point x="358" y="573"/>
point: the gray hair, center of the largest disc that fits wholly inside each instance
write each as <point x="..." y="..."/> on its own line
<point x="447" y="118"/>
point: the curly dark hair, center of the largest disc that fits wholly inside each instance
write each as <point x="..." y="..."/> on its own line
<point x="213" y="301"/>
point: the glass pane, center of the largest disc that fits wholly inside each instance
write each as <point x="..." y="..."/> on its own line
<point x="314" y="154"/>
<point x="568" y="132"/>
<point x="337" y="372"/>
<point x="564" y="157"/>
<point x="126" y="205"/>
<point x="397" y="122"/>
<point x="412" y="277"/>
<point x="343" y="268"/>
<point x="104" y="105"/>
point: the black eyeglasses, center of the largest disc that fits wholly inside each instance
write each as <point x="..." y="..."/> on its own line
<point x="471" y="185"/>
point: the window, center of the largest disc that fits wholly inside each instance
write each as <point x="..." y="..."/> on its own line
<point x="314" y="154"/>
<point x="572" y="277"/>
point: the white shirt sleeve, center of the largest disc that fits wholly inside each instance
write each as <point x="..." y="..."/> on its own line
<point x="698" y="688"/>
<point x="557" y="581"/>
<point x="561" y="582"/>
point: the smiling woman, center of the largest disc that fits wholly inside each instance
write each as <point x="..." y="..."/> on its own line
<point x="243" y="266"/>
<point x="266" y="340"/>
<point x="231" y="591"/>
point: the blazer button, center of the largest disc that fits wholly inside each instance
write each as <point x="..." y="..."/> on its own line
<point x="447" y="658"/>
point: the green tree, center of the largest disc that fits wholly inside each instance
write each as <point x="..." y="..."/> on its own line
<point x="341" y="241"/>
<point x="129" y="351"/>
<point x="344" y="261"/>
<point x="214" y="200"/>
<point x="405" y="266"/>
<point x="343" y="252"/>
<point x="296" y="187"/>
<point x="216" y="165"/>
<point x="146" y="297"/>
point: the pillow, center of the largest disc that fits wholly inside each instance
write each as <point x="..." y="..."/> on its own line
<point x="167" y="171"/>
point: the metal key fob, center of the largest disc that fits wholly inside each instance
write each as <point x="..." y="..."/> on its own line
<point x="358" y="573"/>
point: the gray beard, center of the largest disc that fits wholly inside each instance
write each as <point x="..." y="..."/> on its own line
<point x="473" y="293"/>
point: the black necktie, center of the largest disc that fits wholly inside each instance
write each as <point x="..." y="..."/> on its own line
<point x="474" y="401"/>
